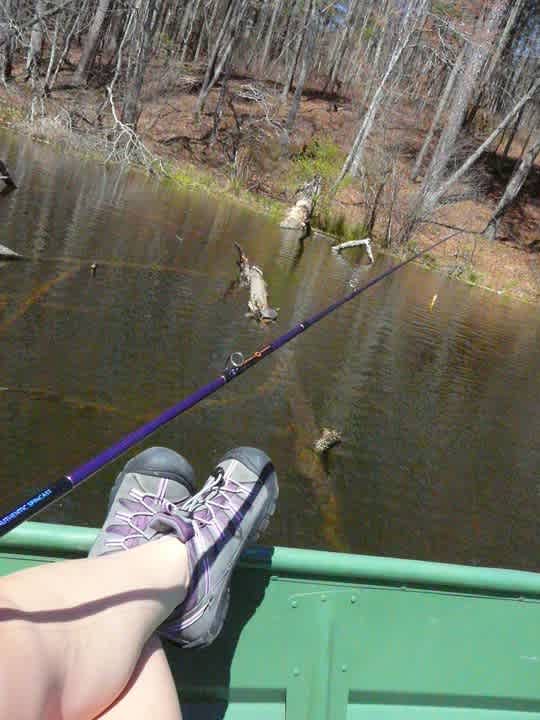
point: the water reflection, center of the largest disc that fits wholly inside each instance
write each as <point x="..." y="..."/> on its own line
<point x="439" y="404"/>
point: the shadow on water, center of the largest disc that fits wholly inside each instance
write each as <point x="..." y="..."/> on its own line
<point x="438" y="403"/>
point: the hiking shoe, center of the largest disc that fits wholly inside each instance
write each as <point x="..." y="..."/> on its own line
<point x="231" y="510"/>
<point x="155" y="479"/>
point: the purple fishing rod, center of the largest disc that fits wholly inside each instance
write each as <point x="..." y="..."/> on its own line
<point x="236" y="366"/>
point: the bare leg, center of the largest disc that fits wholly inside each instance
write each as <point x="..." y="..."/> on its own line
<point x="71" y="633"/>
<point x="151" y="679"/>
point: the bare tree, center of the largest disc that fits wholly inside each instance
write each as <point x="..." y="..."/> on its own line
<point x="146" y="29"/>
<point x="91" y="41"/>
<point x="475" y="57"/>
<point x="33" y="60"/>
<point x="411" y="22"/>
<point x="223" y="47"/>
<point x="429" y="197"/>
<point x="297" y="49"/>
<point x="496" y="55"/>
<point x="265" y="55"/>
<point x="6" y="39"/>
<point x="307" y="55"/>
<point x="443" y="101"/>
<point x="513" y="189"/>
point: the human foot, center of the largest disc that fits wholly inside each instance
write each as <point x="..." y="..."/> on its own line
<point x="230" y="511"/>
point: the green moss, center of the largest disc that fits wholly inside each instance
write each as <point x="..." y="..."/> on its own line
<point x="444" y="8"/>
<point x="336" y="224"/>
<point x="473" y="277"/>
<point x="369" y="31"/>
<point x="189" y="177"/>
<point x="10" y="113"/>
<point x="319" y="157"/>
<point x="430" y="261"/>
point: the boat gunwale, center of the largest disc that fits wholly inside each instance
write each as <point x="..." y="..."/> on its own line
<point x="48" y="539"/>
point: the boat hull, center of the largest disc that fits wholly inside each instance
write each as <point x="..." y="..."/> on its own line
<point x="316" y="635"/>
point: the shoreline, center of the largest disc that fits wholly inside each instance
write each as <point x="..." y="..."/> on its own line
<point x="189" y="176"/>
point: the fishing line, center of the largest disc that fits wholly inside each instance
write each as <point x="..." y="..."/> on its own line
<point x="236" y="365"/>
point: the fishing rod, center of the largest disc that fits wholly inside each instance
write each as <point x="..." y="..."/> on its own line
<point x="236" y="365"/>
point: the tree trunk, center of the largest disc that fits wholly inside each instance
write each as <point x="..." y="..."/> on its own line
<point x="495" y="57"/>
<point x="300" y="39"/>
<point x="353" y="63"/>
<point x="33" y="60"/>
<point x="218" y="112"/>
<point x="194" y="9"/>
<point x="209" y="26"/>
<point x="147" y="27"/>
<point x="355" y="156"/>
<point x="375" y="63"/>
<point x="52" y="56"/>
<point x="438" y="114"/>
<point x="341" y="47"/>
<point x="91" y="42"/>
<point x="307" y="55"/>
<point x="233" y="14"/>
<point x="513" y="133"/>
<point x="428" y="201"/>
<point x="513" y="188"/>
<point x="476" y="56"/>
<point x="269" y="34"/>
<point x="299" y="215"/>
<point x="6" y="40"/>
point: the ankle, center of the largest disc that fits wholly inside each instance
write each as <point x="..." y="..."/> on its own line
<point x="171" y="558"/>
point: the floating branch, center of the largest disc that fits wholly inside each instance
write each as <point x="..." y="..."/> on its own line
<point x="366" y="242"/>
<point x="251" y="277"/>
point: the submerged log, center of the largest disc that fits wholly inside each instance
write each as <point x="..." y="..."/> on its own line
<point x="299" y="215"/>
<point x="252" y="277"/>
<point x="311" y="465"/>
<point x="366" y="242"/>
<point x="7" y="254"/>
<point x="328" y="439"/>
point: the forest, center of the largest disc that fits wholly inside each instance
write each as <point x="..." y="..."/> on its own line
<point x="420" y="117"/>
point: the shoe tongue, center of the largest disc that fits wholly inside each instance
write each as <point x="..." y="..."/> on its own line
<point x="182" y="528"/>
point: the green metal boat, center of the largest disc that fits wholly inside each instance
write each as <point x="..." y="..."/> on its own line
<point x="325" y="636"/>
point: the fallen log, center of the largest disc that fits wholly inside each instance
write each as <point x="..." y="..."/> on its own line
<point x="251" y="277"/>
<point x="366" y="242"/>
<point x="7" y="254"/>
<point x="5" y="176"/>
<point x="299" y="215"/>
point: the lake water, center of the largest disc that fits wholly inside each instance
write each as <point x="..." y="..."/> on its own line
<point x="439" y="406"/>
